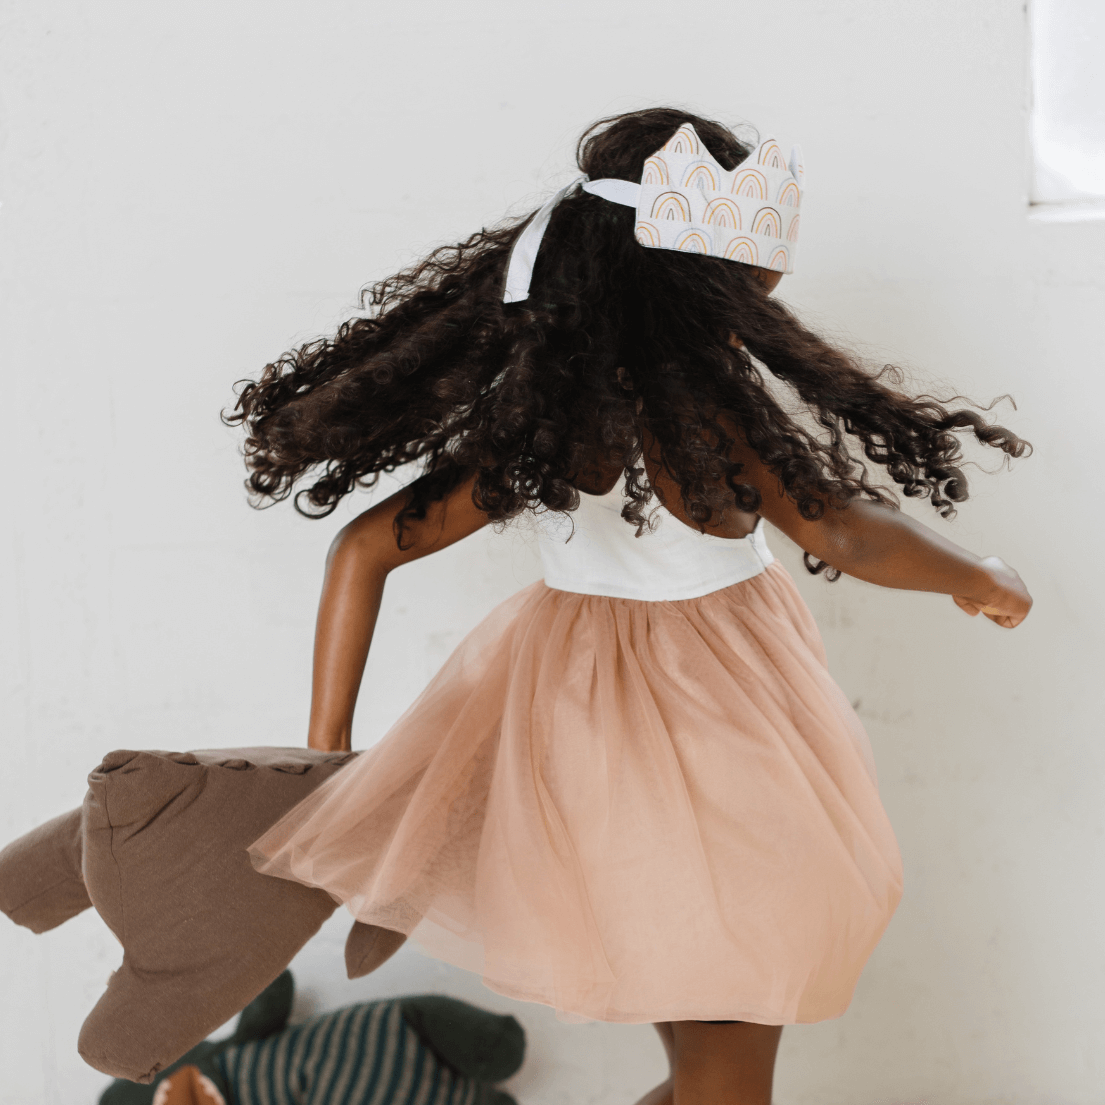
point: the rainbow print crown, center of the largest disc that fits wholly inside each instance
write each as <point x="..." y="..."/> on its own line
<point x="688" y="202"/>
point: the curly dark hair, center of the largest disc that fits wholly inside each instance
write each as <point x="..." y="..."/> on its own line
<point x="616" y="340"/>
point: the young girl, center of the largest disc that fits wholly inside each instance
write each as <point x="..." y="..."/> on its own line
<point x="633" y="793"/>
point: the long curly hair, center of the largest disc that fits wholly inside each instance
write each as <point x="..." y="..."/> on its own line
<point x="617" y="341"/>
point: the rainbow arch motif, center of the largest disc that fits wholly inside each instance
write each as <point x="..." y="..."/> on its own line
<point x="683" y="141"/>
<point x="767" y="223"/>
<point x="792" y="230"/>
<point x="694" y="241"/>
<point x="751" y="183"/>
<point x="743" y="250"/>
<point x="671" y="206"/>
<point x="656" y="171"/>
<point x="771" y="156"/>
<point x="780" y="260"/>
<point x="722" y="212"/>
<point x="647" y="234"/>
<point x="701" y="175"/>
<point x="789" y="196"/>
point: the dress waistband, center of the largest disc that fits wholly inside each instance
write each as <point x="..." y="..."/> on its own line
<point x="603" y="556"/>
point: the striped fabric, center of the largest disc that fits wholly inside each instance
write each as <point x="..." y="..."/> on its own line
<point x="362" y="1055"/>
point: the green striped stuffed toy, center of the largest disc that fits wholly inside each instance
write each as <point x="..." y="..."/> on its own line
<point x="426" y="1050"/>
<point x="361" y="1055"/>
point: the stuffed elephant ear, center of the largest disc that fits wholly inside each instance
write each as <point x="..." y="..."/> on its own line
<point x="268" y="1013"/>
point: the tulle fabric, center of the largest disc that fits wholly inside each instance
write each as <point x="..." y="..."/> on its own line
<point x="629" y="811"/>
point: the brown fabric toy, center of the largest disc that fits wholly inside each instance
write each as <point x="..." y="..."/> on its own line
<point x="159" y="849"/>
<point x="188" y="1086"/>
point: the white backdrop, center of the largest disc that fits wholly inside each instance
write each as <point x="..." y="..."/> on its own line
<point x="190" y="189"/>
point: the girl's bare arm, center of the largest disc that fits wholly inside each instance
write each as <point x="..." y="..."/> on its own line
<point x="357" y="566"/>
<point x="881" y="545"/>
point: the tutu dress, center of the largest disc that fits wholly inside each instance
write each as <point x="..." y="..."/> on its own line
<point x="633" y="793"/>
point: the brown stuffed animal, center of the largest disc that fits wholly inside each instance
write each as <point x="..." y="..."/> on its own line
<point x="188" y="1086"/>
<point x="159" y="848"/>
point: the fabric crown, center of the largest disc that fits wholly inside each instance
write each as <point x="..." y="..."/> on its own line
<point x="686" y="201"/>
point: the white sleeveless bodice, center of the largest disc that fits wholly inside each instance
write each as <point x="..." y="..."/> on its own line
<point x="604" y="556"/>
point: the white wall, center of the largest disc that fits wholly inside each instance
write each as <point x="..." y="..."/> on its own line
<point x="189" y="189"/>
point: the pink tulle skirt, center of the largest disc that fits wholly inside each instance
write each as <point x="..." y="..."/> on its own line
<point x="629" y="811"/>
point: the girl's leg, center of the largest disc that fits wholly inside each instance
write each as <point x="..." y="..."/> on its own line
<point x="723" y="1064"/>
<point x="661" y="1095"/>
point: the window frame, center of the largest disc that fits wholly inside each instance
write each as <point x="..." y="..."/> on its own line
<point x="1041" y="207"/>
